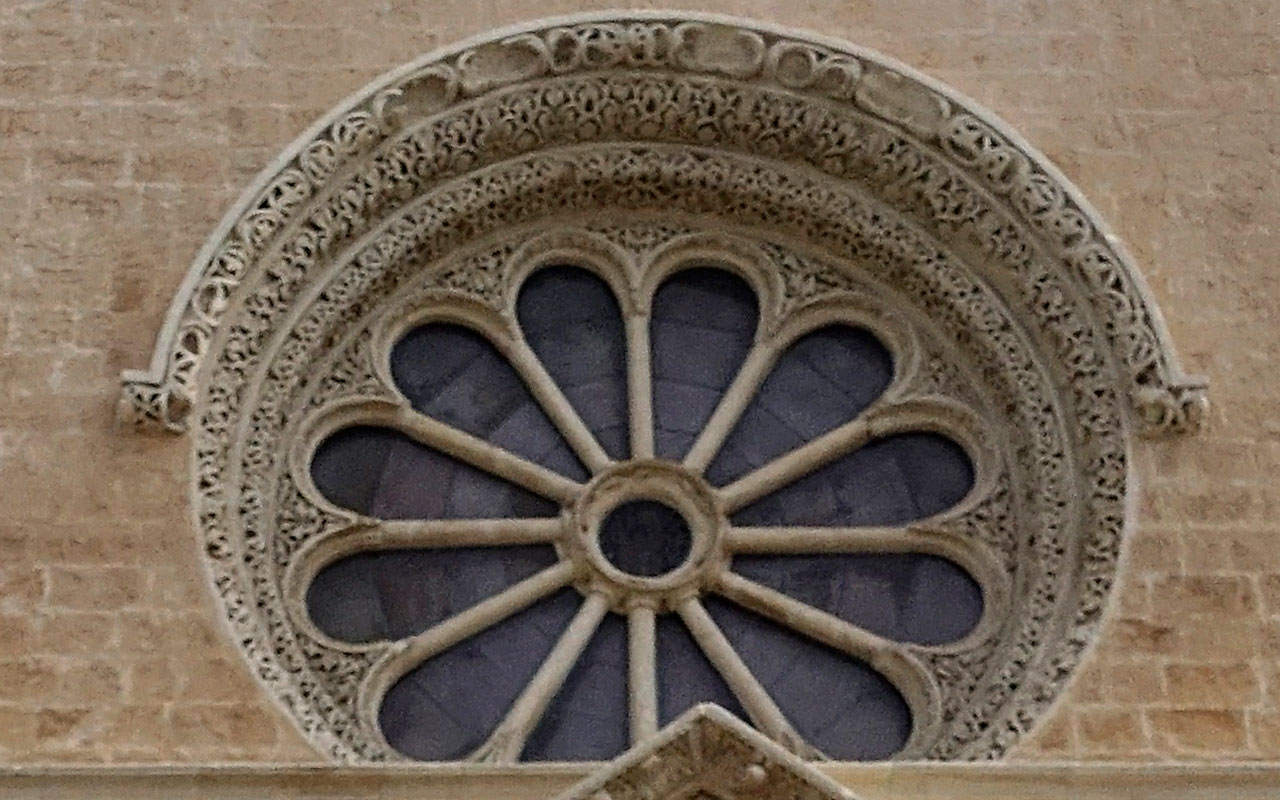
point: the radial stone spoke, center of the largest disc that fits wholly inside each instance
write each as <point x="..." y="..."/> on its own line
<point x="437" y="639"/>
<point x="754" y="698"/>
<point x="434" y="534"/>
<point x="793" y="465"/>
<point x="556" y="405"/>
<point x="805" y="619"/>
<point x="800" y="540"/>
<point x="642" y="670"/>
<point x="483" y="455"/>
<point x="735" y="400"/>
<point x="508" y="739"/>
<point x="396" y="534"/>
<point x="640" y="386"/>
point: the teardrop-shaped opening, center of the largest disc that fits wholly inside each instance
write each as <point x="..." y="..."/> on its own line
<point x="889" y="481"/>
<point x="393" y="594"/>
<point x="445" y="709"/>
<point x="456" y="376"/>
<point x="685" y="676"/>
<point x="572" y="321"/>
<point x="906" y="597"/>
<point x="836" y="703"/>
<point x="701" y="328"/>
<point x="383" y="473"/>
<point x="587" y="720"/>
<point x="823" y="380"/>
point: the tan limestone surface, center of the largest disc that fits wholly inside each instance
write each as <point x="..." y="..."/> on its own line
<point x="127" y="127"/>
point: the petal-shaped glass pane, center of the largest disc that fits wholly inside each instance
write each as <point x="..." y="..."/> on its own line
<point x="446" y="708"/>
<point x="587" y="720"/>
<point x="385" y="474"/>
<point x="393" y="594"/>
<point x="907" y="597"/>
<point x="455" y="375"/>
<point x="702" y="326"/>
<point x="572" y="321"/>
<point x="836" y="703"/>
<point x="685" y="676"/>
<point x="820" y="382"/>
<point x="889" y="481"/>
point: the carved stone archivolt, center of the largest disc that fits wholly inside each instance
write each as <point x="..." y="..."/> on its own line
<point x="840" y="186"/>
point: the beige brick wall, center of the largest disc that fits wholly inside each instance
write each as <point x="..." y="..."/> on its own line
<point x="128" y="126"/>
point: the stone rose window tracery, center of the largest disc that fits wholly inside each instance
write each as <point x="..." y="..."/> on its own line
<point x="725" y="535"/>
<point x="857" y="367"/>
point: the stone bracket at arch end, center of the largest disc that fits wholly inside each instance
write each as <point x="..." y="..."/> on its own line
<point x="1163" y="400"/>
<point x="1177" y="408"/>
<point x="151" y="404"/>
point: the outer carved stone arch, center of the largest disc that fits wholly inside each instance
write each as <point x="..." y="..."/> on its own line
<point x="707" y="46"/>
<point x="839" y="183"/>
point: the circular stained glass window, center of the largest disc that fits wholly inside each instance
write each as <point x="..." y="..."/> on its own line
<point x="614" y="516"/>
<point x="569" y="377"/>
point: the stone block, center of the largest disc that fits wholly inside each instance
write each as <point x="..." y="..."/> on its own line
<point x="1212" y="685"/>
<point x="1220" y="733"/>
<point x="1109" y="730"/>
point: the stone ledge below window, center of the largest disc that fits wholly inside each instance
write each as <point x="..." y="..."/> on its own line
<point x="903" y="781"/>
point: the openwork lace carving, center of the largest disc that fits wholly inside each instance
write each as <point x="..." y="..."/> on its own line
<point x="852" y="188"/>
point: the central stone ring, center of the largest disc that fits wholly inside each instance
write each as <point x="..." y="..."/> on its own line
<point x="646" y="532"/>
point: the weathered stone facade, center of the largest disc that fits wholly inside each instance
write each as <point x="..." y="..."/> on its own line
<point x="126" y="130"/>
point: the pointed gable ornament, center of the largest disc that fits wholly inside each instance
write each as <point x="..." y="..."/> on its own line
<point x="708" y="754"/>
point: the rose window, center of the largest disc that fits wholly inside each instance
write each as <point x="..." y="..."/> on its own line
<point x="586" y="371"/>
<point x="597" y="520"/>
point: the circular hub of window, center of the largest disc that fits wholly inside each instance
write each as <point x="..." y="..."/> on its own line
<point x="647" y="532"/>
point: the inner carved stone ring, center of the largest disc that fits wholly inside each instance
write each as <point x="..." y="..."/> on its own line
<point x="654" y="481"/>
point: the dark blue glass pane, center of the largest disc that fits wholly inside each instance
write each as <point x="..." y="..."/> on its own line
<point x="702" y="327"/>
<point x="837" y="704"/>
<point x="889" y="481"/>
<point x="397" y="593"/>
<point x="571" y="320"/>
<point x="387" y="475"/>
<point x="446" y="708"/>
<point x="819" y="383"/>
<point x="645" y="537"/>
<point x="906" y="597"/>
<point x="685" y="676"/>
<point x="455" y="375"/>
<point x="587" y="720"/>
